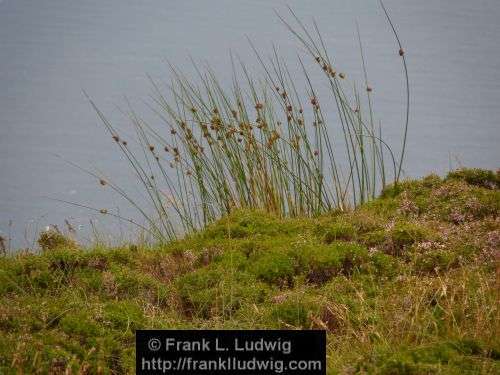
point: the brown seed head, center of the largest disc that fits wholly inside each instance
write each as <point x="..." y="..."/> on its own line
<point x="116" y="138"/>
<point x="151" y="148"/>
<point x="369" y="89"/>
<point x="258" y="106"/>
<point x="401" y="52"/>
<point x="103" y="182"/>
<point x="103" y="211"/>
<point x="342" y="75"/>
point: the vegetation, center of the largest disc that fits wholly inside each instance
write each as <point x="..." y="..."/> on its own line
<point x="404" y="284"/>
<point x="259" y="145"/>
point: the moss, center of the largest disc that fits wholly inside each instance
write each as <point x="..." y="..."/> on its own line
<point x="453" y="357"/>
<point x="275" y="267"/>
<point x="338" y="232"/>
<point x="323" y="262"/>
<point x="407" y="233"/>
<point x="294" y="312"/>
<point x="438" y="260"/>
<point x="367" y="276"/>
<point x="382" y="265"/>
<point x="126" y="316"/>
<point x="398" y="236"/>
<point x="80" y="323"/>
<point x="216" y="291"/>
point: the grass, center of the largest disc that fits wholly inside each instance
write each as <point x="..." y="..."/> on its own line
<point x="404" y="284"/>
<point x="262" y="143"/>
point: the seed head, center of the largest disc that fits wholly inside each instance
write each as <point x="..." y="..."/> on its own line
<point x="124" y="143"/>
<point x="258" y="106"/>
<point x="103" y="211"/>
<point x="369" y="89"/>
<point x="342" y="75"/>
<point x="318" y="59"/>
<point x="289" y="108"/>
<point x="314" y="101"/>
<point x="103" y="182"/>
<point x="166" y="149"/>
<point x="316" y="152"/>
<point x="301" y="111"/>
<point x="116" y="138"/>
<point x="151" y="148"/>
<point x="173" y="132"/>
<point x="401" y="52"/>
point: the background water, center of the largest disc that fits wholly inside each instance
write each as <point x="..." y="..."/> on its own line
<point x="52" y="49"/>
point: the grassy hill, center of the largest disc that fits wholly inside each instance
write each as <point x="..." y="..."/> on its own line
<point x="406" y="284"/>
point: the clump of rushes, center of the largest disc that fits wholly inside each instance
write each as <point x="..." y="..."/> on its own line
<point x="256" y="146"/>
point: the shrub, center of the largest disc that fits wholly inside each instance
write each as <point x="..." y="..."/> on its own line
<point x="294" y="312"/>
<point x="339" y="231"/>
<point x="321" y="263"/>
<point x="475" y="176"/>
<point x="276" y="267"/>
<point x="211" y="292"/>
<point x="52" y="239"/>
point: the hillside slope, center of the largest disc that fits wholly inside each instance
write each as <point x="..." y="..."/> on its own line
<point x="408" y="283"/>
